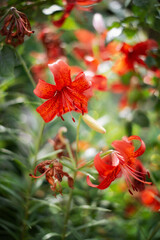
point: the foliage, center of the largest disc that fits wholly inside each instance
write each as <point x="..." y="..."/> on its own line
<point x="29" y="210"/>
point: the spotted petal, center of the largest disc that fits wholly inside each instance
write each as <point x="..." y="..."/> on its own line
<point x="49" y="109"/>
<point x="80" y="83"/>
<point x="106" y="181"/>
<point x="44" y="90"/>
<point x="61" y="73"/>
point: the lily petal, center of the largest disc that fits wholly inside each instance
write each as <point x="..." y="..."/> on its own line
<point x="104" y="165"/>
<point x="80" y="83"/>
<point x="61" y="73"/>
<point x="106" y="181"/>
<point x="44" y="90"/>
<point x="141" y="149"/>
<point x="49" y="109"/>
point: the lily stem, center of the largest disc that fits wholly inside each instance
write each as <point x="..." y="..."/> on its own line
<point x="68" y="206"/>
<point x="39" y="142"/>
<point x="77" y="138"/>
<point x="25" y="68"/>
<point x="74" y="178"/>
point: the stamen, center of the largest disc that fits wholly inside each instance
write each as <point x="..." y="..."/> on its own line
<point x="62" y="118"/>
<point x="132" y="169"/>
<point x="138" y="179"/>
<point x="130" y="192"/>
<point x="128" y="180"/>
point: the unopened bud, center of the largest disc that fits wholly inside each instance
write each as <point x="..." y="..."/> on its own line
<point x="92" y="123"/>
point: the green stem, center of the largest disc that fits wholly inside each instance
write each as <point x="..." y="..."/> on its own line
<point x="153" y="233"/>
<point x="39" y="142"/>
<point x="86" y="165"/>
<point x="77" y="138"/>
<point x="74" y="178"/>
<point x="68" y="209"/>
<point x="69" y="150"/>
<point x="29" y="189"/>
<point x="25" y="68"/>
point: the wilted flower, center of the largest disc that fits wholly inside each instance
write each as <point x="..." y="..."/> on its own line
<point x="120" y="161"/>
<point x="65" y="96"/>
<point x="16" y="26"/>
<point x="59" y="142"/>
<point x="53" y="170"/>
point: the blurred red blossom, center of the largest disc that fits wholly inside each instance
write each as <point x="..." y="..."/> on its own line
<point x="150" y="197"/>
<point x="132" y="55"/>
<point x="16" y="26"/>
<point x="84" y="5"/>
<point x="53" y="51"/>
<point x="51" y="42"/>
<point x="54" y="174"/>
<point x="122" y="160"/>
<point x="125" y="90"/>
<point x="65" y="96"/>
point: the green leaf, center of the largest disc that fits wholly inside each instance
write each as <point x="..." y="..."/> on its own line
<point x="130" y="19"/>
<point x="69" y="24"/>
<point x="127" y="2"/>
<point x="115" y="25"/>
<point x="140" y="119"/>
<point x="88" y="207"/>
<point x="50" y="155"/>
<point x="130" y="32"/>
<point x="93" y="223"/>
<point x="49" y="235"/>
<point x="150" y="61"/>
<point x="76" y="234"/>
<point x="7" y="61"/>
<point x="141" y="3"/>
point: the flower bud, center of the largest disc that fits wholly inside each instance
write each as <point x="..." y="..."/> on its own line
<point x="92" y="123"/>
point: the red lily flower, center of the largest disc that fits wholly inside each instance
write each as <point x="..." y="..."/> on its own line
<point x="16" y="26"/>
<point x="150" y="197"/>
<point x="122" y="160"/>
<point x="133" y="54"/>
<point x="54" y="174"/>
<point x="84" y="5"/>
<point x="65" y="96"/>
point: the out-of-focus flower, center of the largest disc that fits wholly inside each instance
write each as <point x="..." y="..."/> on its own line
<point x="38" y="71"/>
<point x="150" y="197"/>
<point x="65" y="96"/>
<point x="132" y="55"/>
<point x="84" y="5"/>
<point x="16" y="26"/>
<point x="53" y="170"/>
<point x="59" y="142"/>
<point x="130" y="210"/>
<point x="52" y="43"/>
<point x="120" y="161"/>
<point x="125" y="90"/>
<point x="98" y="23"/>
